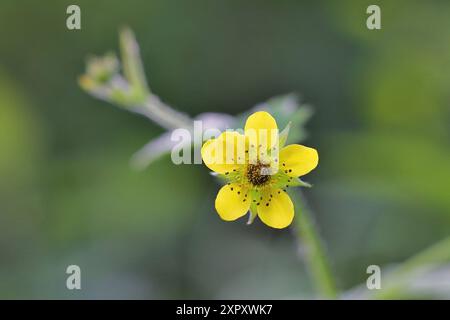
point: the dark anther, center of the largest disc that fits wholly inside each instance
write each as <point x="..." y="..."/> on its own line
<point x="256" y="174"/>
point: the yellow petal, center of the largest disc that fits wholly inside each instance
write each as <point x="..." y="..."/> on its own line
<point x="225" y="153"/>
<point x="261" y="130"/>
<point x="232" y="202"/>
<point x="276" y="209"/>
<point x="297" y="160"/>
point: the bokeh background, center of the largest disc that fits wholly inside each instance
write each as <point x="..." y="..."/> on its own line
<point x="68" y="195"/>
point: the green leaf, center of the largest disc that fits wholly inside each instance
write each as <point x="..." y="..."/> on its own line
<point x="284" y="135"/>
<point x="297" y="182"/>
<point x="132" y="65"/>
<point x="252" y="214"/>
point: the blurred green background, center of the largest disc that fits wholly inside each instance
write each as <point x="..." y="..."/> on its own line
<point x="67" y="193"/>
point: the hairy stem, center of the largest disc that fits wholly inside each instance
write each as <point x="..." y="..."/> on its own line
<point x="311" y="248"/>
<point x="435" y="255"/>
<point x="151" y="106"/>
<point x="168" y="118"/>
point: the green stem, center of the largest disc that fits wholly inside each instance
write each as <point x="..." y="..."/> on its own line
<point x="310" y="244"/>
<point x="148" y="104"/>
<point x="398" y="280"/>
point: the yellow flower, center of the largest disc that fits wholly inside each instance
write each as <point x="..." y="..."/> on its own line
<point x="257" y="171"/>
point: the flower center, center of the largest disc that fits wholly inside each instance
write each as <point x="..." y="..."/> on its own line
<point x="258" y="174"/>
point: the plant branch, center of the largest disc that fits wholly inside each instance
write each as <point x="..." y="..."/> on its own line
<point x="311" y="247"/>
<point x="399" y="279"/>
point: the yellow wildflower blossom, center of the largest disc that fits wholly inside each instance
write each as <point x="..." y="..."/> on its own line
<point x="257" y="171"/>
